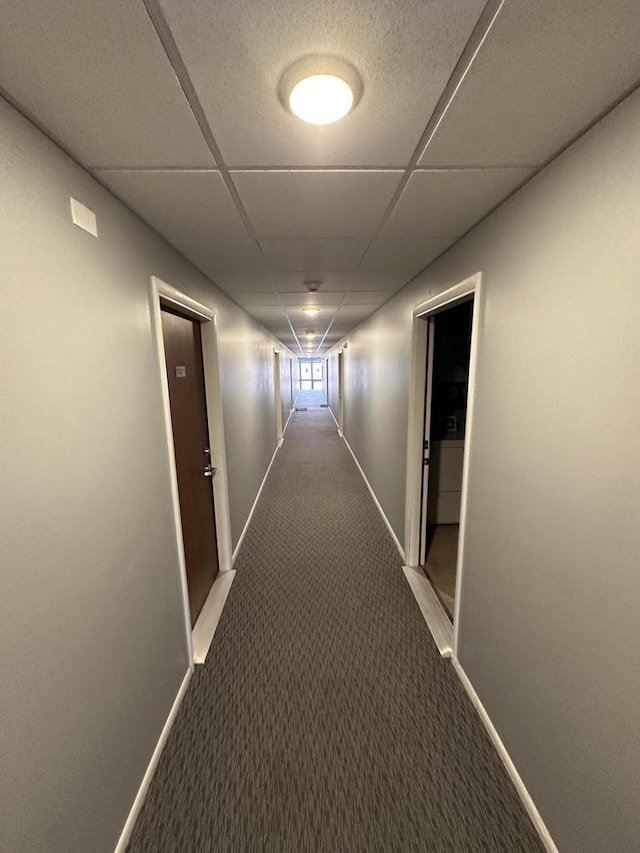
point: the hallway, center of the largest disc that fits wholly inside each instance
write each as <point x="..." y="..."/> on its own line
<point x="324" y="719"/>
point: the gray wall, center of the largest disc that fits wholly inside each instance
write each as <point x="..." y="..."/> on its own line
<point x="550" y="623"/>
<point x="93" y="640"/>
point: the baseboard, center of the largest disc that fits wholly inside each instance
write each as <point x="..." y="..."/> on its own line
<point x="153" y="763"/>
<point x="336" y="422"/>
<point x="433" y="612"/>
<point x="527" y="801"/>
<point x="255" y="503"/>
<point x="207" y="622"/>
<point x="377" y="502"/>
<point x="291" y="411"/>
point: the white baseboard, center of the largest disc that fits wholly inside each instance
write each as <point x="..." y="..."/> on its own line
<point x="255" y="503"/>
<point x="207" y="622"/>
<point x="527" y="801"/>
<point x="434" y="615"/>
<point x="146" y="779"/>
<point x="373" y="495"/>
<point x="336" y="422"/>
<point x="291" y="411"/>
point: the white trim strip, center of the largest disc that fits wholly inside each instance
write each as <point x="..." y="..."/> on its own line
<point x="376" y="501"/>
<point x="525" y="796"/>
<point x="291" y="411"/>
<point x="433" y="612"/>
<point x="255" y="503"/>
<point x="157" y="336"/>
<point x="207" y="621"/>
<point x="336" y="421"/>
<point x="153" y="763"/>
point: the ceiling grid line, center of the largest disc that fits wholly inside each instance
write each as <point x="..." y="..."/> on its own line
<point x="177" y="63"/>
<point x="474" y="44"/>
<point x="168" y="42"/>
<point x="491" y="92"/>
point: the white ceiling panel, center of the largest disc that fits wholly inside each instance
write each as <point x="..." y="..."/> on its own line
<point x="255" y="300"/>
<point x="293" y="282"/>
<point x="402" y="256"/>
<point x="315" y="204"/>
<point x="300" y="322"/>
<point x="545" y="72"/>
<point x="213" y="256"/>
<point x="301" y="254"/>
<point x="237" y="50"/>
<point x="368" y="280"/>
<point x="181" y="205"/>
<point x="322" y="300"/>
<point x="446" y="203"/>
<point x="269" y="314"/>
<point x="247" y="282"/>
<point x="355" y="313"/>
<point x="368" y="297"/>
<point x="96" y="76"/>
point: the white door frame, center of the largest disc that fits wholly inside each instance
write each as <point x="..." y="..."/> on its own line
<point x="340" y="391"/>
<point x="471" y="286"/>
<point x="161" y="293"/>
<point x="278" y="396"/>
<point x="428" y="450"/>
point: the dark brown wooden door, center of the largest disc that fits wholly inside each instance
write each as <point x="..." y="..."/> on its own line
<point x="185" y="372"/>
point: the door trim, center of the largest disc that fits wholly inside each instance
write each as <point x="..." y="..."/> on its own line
<point x="278" y="397"/>
<point x="471" y="286"/>
<point x="163" y="294"/>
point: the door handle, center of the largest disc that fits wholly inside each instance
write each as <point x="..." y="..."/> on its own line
<point x="209" y="471"/>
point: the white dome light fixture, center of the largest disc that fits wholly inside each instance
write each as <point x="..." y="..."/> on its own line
<point x="321" y="99"/>
<point x="320" y="90"/>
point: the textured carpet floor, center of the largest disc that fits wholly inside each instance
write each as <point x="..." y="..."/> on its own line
<point x="324" y="720"/>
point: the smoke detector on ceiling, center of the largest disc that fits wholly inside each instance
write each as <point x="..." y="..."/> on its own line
<point x="312" y="286"/>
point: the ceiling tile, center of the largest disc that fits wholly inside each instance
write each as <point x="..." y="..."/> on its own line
<point x="354" y="314"/>
<point x="268" y="314"/>
<point x="293" y="282"/>
<point x="289" y="255"/>
<point x="446" y="203"/>
<point x="181" y="205"/>
<point x="213" y="256"/>
<point x="544" y="73"/>
<point x="322" y="299"/>
<point x="244" y="282"/>
<point x="236" y="53"/>
<point x="256" y="300"/>
<point x="315" y="204"/>
<point x="96" y="76"/>
<point x="368" y="280"/>
<point x="368" y="297"/>
<point x="404" y="256"/>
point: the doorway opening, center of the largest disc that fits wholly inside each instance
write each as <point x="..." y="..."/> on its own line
<point x="446" y="392"/>
<point x="341" y="392"/>
<point x="278" y="396"/>
<point x="445" y="339"/>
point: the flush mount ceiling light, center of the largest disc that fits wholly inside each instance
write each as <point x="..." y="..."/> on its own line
<point x="311" y="311"/>
<point x="310" y="333"/>
<point x="321" y="99"/>
<point x="320" y="89"/>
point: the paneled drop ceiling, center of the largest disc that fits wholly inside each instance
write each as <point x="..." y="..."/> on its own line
<point x="174" y="105"/>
